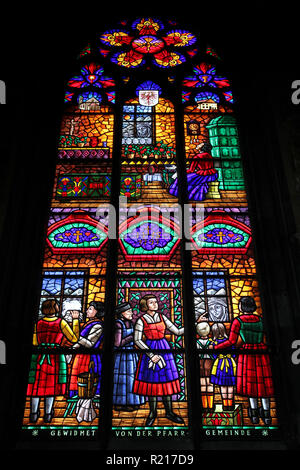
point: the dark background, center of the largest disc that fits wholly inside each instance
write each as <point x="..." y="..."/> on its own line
<point x="258" y="45"/>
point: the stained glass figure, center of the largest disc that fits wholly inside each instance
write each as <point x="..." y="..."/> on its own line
<point x="157" y="374"/>
<point x="169" y="408"/>
<point x="258" y="386"/>
<point x="48" y="372"/>
<point x="126" y="362"/>
<point x="91" y="336"/>
<point x="199" y="175"/>
<point x="205" y="75"/>
<point x="211" y="296"/>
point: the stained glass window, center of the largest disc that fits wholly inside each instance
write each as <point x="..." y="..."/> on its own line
<point x="236" y="389"/>
<point x="177" y="282"/>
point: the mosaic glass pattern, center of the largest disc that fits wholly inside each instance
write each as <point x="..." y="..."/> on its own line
<point x="144" y="39"/>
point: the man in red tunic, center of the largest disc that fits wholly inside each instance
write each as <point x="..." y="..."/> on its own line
<point x="48" y="372"/>
<point x="254" y="376"/>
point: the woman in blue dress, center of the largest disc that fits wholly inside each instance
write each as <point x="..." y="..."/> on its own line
<point x="125" y="362"/>
<point x="200" y="173"/>
<point x="157" y="374"/>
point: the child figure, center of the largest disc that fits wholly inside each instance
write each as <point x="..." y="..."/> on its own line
<point x="223" y="371"/>
<point x="206" y="362"/>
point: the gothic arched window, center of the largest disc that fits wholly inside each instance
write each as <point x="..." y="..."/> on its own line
<point x="150" y="320"/>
